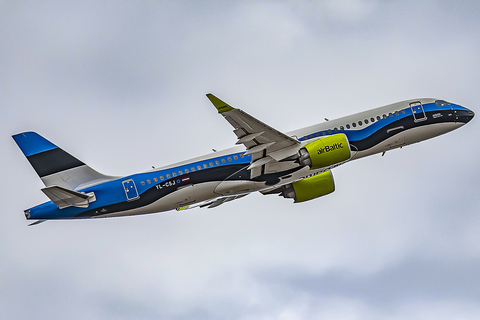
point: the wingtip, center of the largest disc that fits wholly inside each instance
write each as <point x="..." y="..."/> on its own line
<point x="219" y="104"/>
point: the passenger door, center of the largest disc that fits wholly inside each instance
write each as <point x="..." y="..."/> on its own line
<point x="418" y="112"/>
<point x="130" y="190"/>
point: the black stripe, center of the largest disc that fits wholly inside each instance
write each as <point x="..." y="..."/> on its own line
<point x="239" y="172"/>
<point x="153" y="194"/>
<point x="232" y="172"/>
<point x="53" y="161"/>
<point x="407" y="123"/>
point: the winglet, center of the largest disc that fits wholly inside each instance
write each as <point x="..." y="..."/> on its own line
<point x="219" y="104"/>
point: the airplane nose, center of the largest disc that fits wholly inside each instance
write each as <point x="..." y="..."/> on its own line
<point x="465" y="115"/>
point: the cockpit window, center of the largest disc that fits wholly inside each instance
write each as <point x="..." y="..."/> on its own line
<point x="441" y="103"/>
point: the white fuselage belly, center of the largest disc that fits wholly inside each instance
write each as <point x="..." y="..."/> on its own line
<point x="408" y="137"/>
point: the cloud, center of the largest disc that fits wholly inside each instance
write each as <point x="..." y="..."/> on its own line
<point x="121" y="86"/>
<point x="406" y="282"/>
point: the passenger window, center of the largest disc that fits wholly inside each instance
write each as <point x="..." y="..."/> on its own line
<point x="223" y="160"/>
<point x="317" y="134"/>
<point x="329" y="131"/>
<point x="205" y="165"/>
<point x="235" y="157"/>
<point x="241" y="155"/>
<point x="192" y="169"/>
<point x="397" y="113"/>
<point x="354" y="124"/>
<point x="378" y="118"/>
<point x="229" y="159"/>
<point x="390" y="114"/>
<point x="342" y="128"/>
<point x="217" y="162"/>
<point x="168" y="176"/>
<point x="187" y="171"/>
<point x="335" y="129"/>
<point x="210" y="164"/>
<point x="372" y="120"/>
<point x="162" y="178"/>
<point x="384" y="116"/>
<point x="348" y="126"/>
<point x="199" y="168"/>
<point x="359" y="123"/>
<point x="324" y="133"/>
<point x="149" y="181"/>
<point x="402" y="111"/>
<point x="155" y="179"/>
<point x="174" y="174"/>
<point x="180" y="172"/>
<point x="366" y="121"/>
<point x="142" y="183"/>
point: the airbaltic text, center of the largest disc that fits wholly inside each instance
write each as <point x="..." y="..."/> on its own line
<point x="333" y="147"/>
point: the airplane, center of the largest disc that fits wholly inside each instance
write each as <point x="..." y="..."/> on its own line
<point x="294" y="165"/>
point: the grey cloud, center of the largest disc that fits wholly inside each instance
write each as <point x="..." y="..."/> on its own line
<point x="121" y="86"/>
<point x="414" y="279"/>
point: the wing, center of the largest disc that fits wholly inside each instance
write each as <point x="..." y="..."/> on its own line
<point x="266" y="145"/>
<point x="213" y="202"/>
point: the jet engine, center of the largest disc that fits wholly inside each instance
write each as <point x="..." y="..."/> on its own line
<point x="310" y="188"/>
<point x="325" y="151"/>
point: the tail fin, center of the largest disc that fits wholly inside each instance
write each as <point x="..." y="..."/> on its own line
<point x="53" y="165"/>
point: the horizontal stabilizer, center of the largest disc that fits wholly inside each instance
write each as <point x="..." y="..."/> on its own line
<point x="36" y="222"/>
<point x="64" y="198"/>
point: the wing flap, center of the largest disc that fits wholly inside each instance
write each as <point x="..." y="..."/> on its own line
<point x="259" y="162"/>
<point x="249" y="137"/>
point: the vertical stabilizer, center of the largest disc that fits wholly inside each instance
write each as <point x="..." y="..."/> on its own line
<point x="53" y="165"/>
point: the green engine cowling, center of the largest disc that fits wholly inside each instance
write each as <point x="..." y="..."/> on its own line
<point x="310" y="188"/>
<point x="325" y="151"/>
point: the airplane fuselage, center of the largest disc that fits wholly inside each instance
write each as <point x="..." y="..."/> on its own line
<point x="225" y="175"/>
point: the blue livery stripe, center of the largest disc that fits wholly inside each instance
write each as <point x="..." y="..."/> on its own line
<point x="32" y="143"/>
<point x="370" y="129"/>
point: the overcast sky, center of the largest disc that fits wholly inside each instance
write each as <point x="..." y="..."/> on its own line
<point x="121" y="85"/>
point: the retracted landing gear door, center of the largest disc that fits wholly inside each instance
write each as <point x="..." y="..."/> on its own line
<point x="130" y="190"/>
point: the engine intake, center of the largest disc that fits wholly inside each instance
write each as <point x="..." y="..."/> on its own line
<point x="310" y="188"/>
<point x="325" y="151"/>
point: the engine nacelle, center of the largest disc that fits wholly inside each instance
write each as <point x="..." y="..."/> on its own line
<point x="310" y="188"/>
<point x="325" y="151"/>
